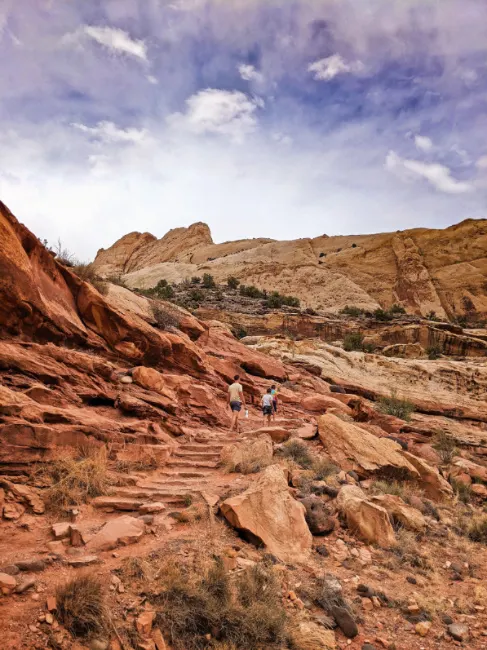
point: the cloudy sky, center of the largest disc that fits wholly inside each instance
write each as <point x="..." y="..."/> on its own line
<point x="275" y="118"/>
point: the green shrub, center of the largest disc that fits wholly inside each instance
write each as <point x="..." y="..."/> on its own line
<point x="351" y="310"/>
<point x="382" y="315"/>
<point x="251" y="292"/>
<point x="434" y="351"/>
<point x="431" y="315"/>
<point x="354" y="245"/>
<point x="462" y="490"/>
<point x="353" y="341"/>
<point x="208" y="281"/>
<point x="195" y="280"/>
<point x="396" y="310"/>
<point x="196" y="295"/>
<point x="445" y="446"/>
<point x="399" y="408"/>
<point x="232" y="282"/>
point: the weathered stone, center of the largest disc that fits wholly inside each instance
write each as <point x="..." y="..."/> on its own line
<point x="276" y="434"/>
<point x="345" y="621"/>
<point x="423" y="628"/>
<point x="31" y="565"/>
<point x="353" y="448"/>
<point x="82" y="560"/>
<point x="399" y="511"/>
<point x="433" y="484"/>
<point x="13" y="510"/>
<point x="25" y="585"/>
<point x="117" y="503"/>
<point x="7" y="582"/>
<point x="307" y="431"/>
<point x="61" y="530"/>
<point x="144" y="623"/>
<point x="458" y="631"/>
<point x="123" y="530"/>
<point x="321" y="403"/>
<point x="248" y="454"/>
<point x="151" y="507"/>
<point x="368" y="519"/>
<point x="267" y="513"/>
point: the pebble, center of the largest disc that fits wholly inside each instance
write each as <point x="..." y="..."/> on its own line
<point x="422" y="628"/>
<point x="458" y="632"/>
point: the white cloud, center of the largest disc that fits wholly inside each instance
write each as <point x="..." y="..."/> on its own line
<point x="437" y="175"/>
<point x="110" y="133"/>
<point x="224" y="112"/>
<point x="282" y="138"/>
<point x="112" y="38"/>
<point x="327" y="69"/>
<point x="249" y="73"/>
<point x="152" y="80"/>
<point x="482" y="162"/>
<point x="423" y="143"/>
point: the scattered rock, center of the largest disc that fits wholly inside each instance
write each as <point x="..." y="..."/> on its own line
<point x="458" y="631"/>
<point x="322" y="550"/>
<point x="51" y="604"/>
<point x="7" y="583"/>
<point x="268" y="514"/>
<point x="99" y="644"/>
<point x="422" y="628"/>
<point x="25" y="585"/>
<point x="82" y="560"/>
<point x="399" y="511"/>
<point x="144" y="623"/>
<point x="123" y="530"/>
<point x="345" y="621"/>
<point x="61" y="530"/>
<point x="34" y="566"/>
<point x="153" y="506"/>
<point x="13" y="510"/>
<point x="307" y="431"/>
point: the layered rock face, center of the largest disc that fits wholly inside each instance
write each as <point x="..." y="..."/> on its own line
<point x="423" y="269"/>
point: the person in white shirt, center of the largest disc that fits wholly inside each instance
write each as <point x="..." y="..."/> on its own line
<point x="236" y="400"/>
<point x="267" y="407"/>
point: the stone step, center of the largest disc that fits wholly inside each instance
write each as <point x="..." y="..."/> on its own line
<point x="191" y="447"/>
<point x="220" y="441"/>
<point x="186" y="485"/>
<point x="191" y="455"/>
<point x="180" y="474"/>
<point x="184" y="463"/>
<point x="156" y="495"/>
<point x="117" y="503"/>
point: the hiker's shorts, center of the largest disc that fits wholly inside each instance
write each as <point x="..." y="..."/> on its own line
<point x="236" y="406"/>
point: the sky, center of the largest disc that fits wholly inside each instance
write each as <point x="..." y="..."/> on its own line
<point x="283" y="119"/>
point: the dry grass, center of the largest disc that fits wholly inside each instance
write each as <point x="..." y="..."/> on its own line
<point x="81" y="605"/>
<point x="76" y="481"/>
<point x="137" y="568"/>
<point x="242" y="612"/>
<point x="408" y="551"/>
<point x="323" y="468"/>
<point x="462" y="491"/>
<point x="477" y="529"/>
<point x="195" y="512"/>
<point x="445" y="446"/>
<point x="297" y="451"/>
<point x="394" y="405"/>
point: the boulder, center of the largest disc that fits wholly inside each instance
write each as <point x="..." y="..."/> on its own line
<point x="479" y="490"/>
<point x="366" y="518"/>
<point x="26" y="494"/>
<point x="151" y="379"/>
<point x="475" y="471"/>
<point x="321" y="403"/>
<point x="399" y="511"/>
<point x="268" y="514"/>
<point x="277" y="434"/>
<point x="353" y="448"/>
<point x="7" y="583"/>
<point x="248" y="453"/>
<point x="121" y="531"/>
<point x="307" y="432"/>
<point x="405" y="350"/>
<point x="318" y="517"/>
<point x="430" y="480"/>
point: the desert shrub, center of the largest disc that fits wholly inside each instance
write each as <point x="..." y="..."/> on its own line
<point x="64" y="255"/>
<point x="322" y="468"/>
<point x="477" y="529"/>
<point x="463" y="491"/>
<point x="445" y="446"/>
<point x="408" y="550"/>
<point x="196" y="295"/>
<point x="431" y="315"/>
<point x="195" y="279"/>
<point x="399" y="408"/>
<point x="195" y="606"/>
<point x="81" y="605"/>
<point x="239" y="332"/>
<point x="232" y="282"/>
<point x="397" y="310"/>
<point x="434" y="351"/>
<point x="351" y="310"/>
<point x="76" y="481"/>
<point x="297" y="451"/>
<point x="353" y="341"/>
<point x="251" y="291"/>
<point x="276" y="300"/>
<point x="322" y="254"/>
<point x="85" y="272"/>
<point x="388" y="487"/>
<point x="354" y="245"/>
<point x="208" y="281"/>
<point x="116" y="279"/>
<point x="381" y="315"/>
<point x="134" y="567"/>
<point x="163" y="318"/>
<point x="310" y="311"/>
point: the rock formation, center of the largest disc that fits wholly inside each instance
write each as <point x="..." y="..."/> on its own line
<point x="425" y="270"/>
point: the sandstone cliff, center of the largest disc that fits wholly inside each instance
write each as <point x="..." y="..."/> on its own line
<point x="423" y="269"/>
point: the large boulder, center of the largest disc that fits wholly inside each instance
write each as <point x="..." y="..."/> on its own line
<point x="430" y="480"/>
<point x="248" y="455"/>
<point x="277" y="434"/>
<point x="399" y="511"/>
<point x="464" y="466"/>
<point x="269" y="515"/>
<point x="353" y="448"/>
<point x="121" y="531"/>
<point x="369" y="520"/>
<point x="151" y="379"/>
<point x="321" y="403"/>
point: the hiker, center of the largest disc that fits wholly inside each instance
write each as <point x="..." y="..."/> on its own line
<point x="236" y="400"/>
<point x="274" y="401"/>
<point x="267" y="407"/>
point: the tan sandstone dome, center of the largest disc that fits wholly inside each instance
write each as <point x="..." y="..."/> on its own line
<point x="424" y="269"/>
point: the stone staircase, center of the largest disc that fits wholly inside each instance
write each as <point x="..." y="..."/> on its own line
<point x="175" y="486"/>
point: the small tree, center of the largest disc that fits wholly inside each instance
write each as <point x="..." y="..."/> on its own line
<point x="232" y="282"/>
<point x="208" y="281"/>
<point x="353" y="341"/>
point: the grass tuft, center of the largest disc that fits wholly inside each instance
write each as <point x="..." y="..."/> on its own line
<point x="477" y="529"/>
<point x="81" y="605"/>
<point x="298" y="452"/>
<point x="445" y="446"/>
<point x="399" y="408"/>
